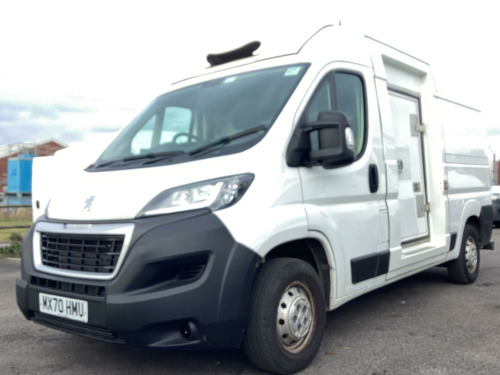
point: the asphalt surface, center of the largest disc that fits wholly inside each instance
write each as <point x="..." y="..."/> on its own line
<point x="421" y="325"/>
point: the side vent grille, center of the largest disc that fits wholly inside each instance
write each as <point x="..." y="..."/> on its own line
<point x="170" y="273"/>
<point x="191" y="272"/>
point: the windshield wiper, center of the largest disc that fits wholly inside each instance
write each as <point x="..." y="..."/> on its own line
<point x="151" y="155"/>
<point x="157" y="156"/>
<point x="225" y="140"/>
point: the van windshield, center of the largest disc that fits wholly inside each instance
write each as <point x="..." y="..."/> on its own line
<point x="212" y="118"/>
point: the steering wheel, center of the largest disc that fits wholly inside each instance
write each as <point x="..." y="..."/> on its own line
<point x="189" y="136"/>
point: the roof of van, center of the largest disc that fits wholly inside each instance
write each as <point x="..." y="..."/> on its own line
<point x="328" y="43"/>
<point x="267" y="46"/>
<point x="309" y="41"/>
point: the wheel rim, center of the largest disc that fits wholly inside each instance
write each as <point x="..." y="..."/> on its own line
<point x="471" y="255"/>
<point x="296" y="317"/>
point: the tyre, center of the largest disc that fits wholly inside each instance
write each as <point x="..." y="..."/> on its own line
<point x="287" y="316"/>
<point x="465" y="268"/>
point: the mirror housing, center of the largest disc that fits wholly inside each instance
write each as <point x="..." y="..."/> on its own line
<point x="335" y="140"/>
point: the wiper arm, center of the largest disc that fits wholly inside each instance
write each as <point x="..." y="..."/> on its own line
<point x="155" y="157"/>
<point x="94" y="165"/>
<point x="151" y="155"/>
<point x="226" y="140"/>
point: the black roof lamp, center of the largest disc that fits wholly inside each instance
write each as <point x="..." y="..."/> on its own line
<point x="247" y="50"/>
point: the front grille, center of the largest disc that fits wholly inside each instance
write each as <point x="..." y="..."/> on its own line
<point x="87" y="253"/>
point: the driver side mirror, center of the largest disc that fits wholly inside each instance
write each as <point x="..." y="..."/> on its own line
<point x="332" y="140"/>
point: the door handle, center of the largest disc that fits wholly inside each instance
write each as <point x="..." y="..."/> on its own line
<point x="400" y="166"/>
<point x="373" y="178"/>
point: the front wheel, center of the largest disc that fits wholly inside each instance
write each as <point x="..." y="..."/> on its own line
<point x="465" y="268"/>
<point x="287" y="316"/>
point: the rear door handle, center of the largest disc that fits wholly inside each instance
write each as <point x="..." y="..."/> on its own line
<point x="373" y="178"/>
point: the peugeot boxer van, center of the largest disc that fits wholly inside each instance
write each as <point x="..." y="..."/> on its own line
<point x="246" y="202"/>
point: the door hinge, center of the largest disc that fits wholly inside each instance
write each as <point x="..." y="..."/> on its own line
<point x="422" y="207"/>
<point x="416" y="127"/>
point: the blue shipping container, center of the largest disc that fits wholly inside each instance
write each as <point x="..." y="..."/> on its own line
<point x="19" y="174"/>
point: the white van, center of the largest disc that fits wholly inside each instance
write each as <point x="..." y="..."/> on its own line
<point x="246" y="202"/>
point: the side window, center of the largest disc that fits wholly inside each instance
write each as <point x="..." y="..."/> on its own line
<point x="351" y="101"/>
<point x="340" y="91"/>
<point x="321" y="101"/>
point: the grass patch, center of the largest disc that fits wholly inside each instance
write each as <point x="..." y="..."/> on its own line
<point x="6" y="233"/>
<point x="15" y="213"/>
<point x="15" y="247"/>
<point x="13" y="236"/>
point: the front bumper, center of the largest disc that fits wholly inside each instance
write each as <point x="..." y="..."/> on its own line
<point x="153" y="301"/>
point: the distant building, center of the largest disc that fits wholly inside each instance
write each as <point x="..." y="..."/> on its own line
<point x="496" y="175"/>
<point x="45" y="147"/>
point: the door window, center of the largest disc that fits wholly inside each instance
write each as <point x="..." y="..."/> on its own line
<point x="351" y="101"/>
<point x="340" y="91"/>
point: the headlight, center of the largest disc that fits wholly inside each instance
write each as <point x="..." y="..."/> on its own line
<point x="213" y="194"/>
<point x="495" y="196"/>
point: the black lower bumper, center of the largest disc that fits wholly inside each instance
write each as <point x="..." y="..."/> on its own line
<point x="148" y="303"/>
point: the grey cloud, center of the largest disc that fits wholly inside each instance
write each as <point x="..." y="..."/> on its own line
<point x="29" y="121"/>
<point x="104" y="129"/>
<point x="16" y="132"/>
<point x="12" y="110"/>
<point x="34" y="129"/>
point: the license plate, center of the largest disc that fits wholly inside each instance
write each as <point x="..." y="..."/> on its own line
<point x="69" y="308"/>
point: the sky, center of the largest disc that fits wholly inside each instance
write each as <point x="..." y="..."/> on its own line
<point x="79" y="71"/>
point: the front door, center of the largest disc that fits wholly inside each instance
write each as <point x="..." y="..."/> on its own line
<point x="343" y="203"/>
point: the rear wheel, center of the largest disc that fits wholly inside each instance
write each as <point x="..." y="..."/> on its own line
<point x="465" y="268"/>
<point x="287" y="316"/>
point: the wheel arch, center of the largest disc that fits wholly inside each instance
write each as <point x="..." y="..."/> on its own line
<point x="474" y="221"/>
<point x="309" y="250"/>
<point x="484" y="226"/>
<point x="470" y="214"/>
